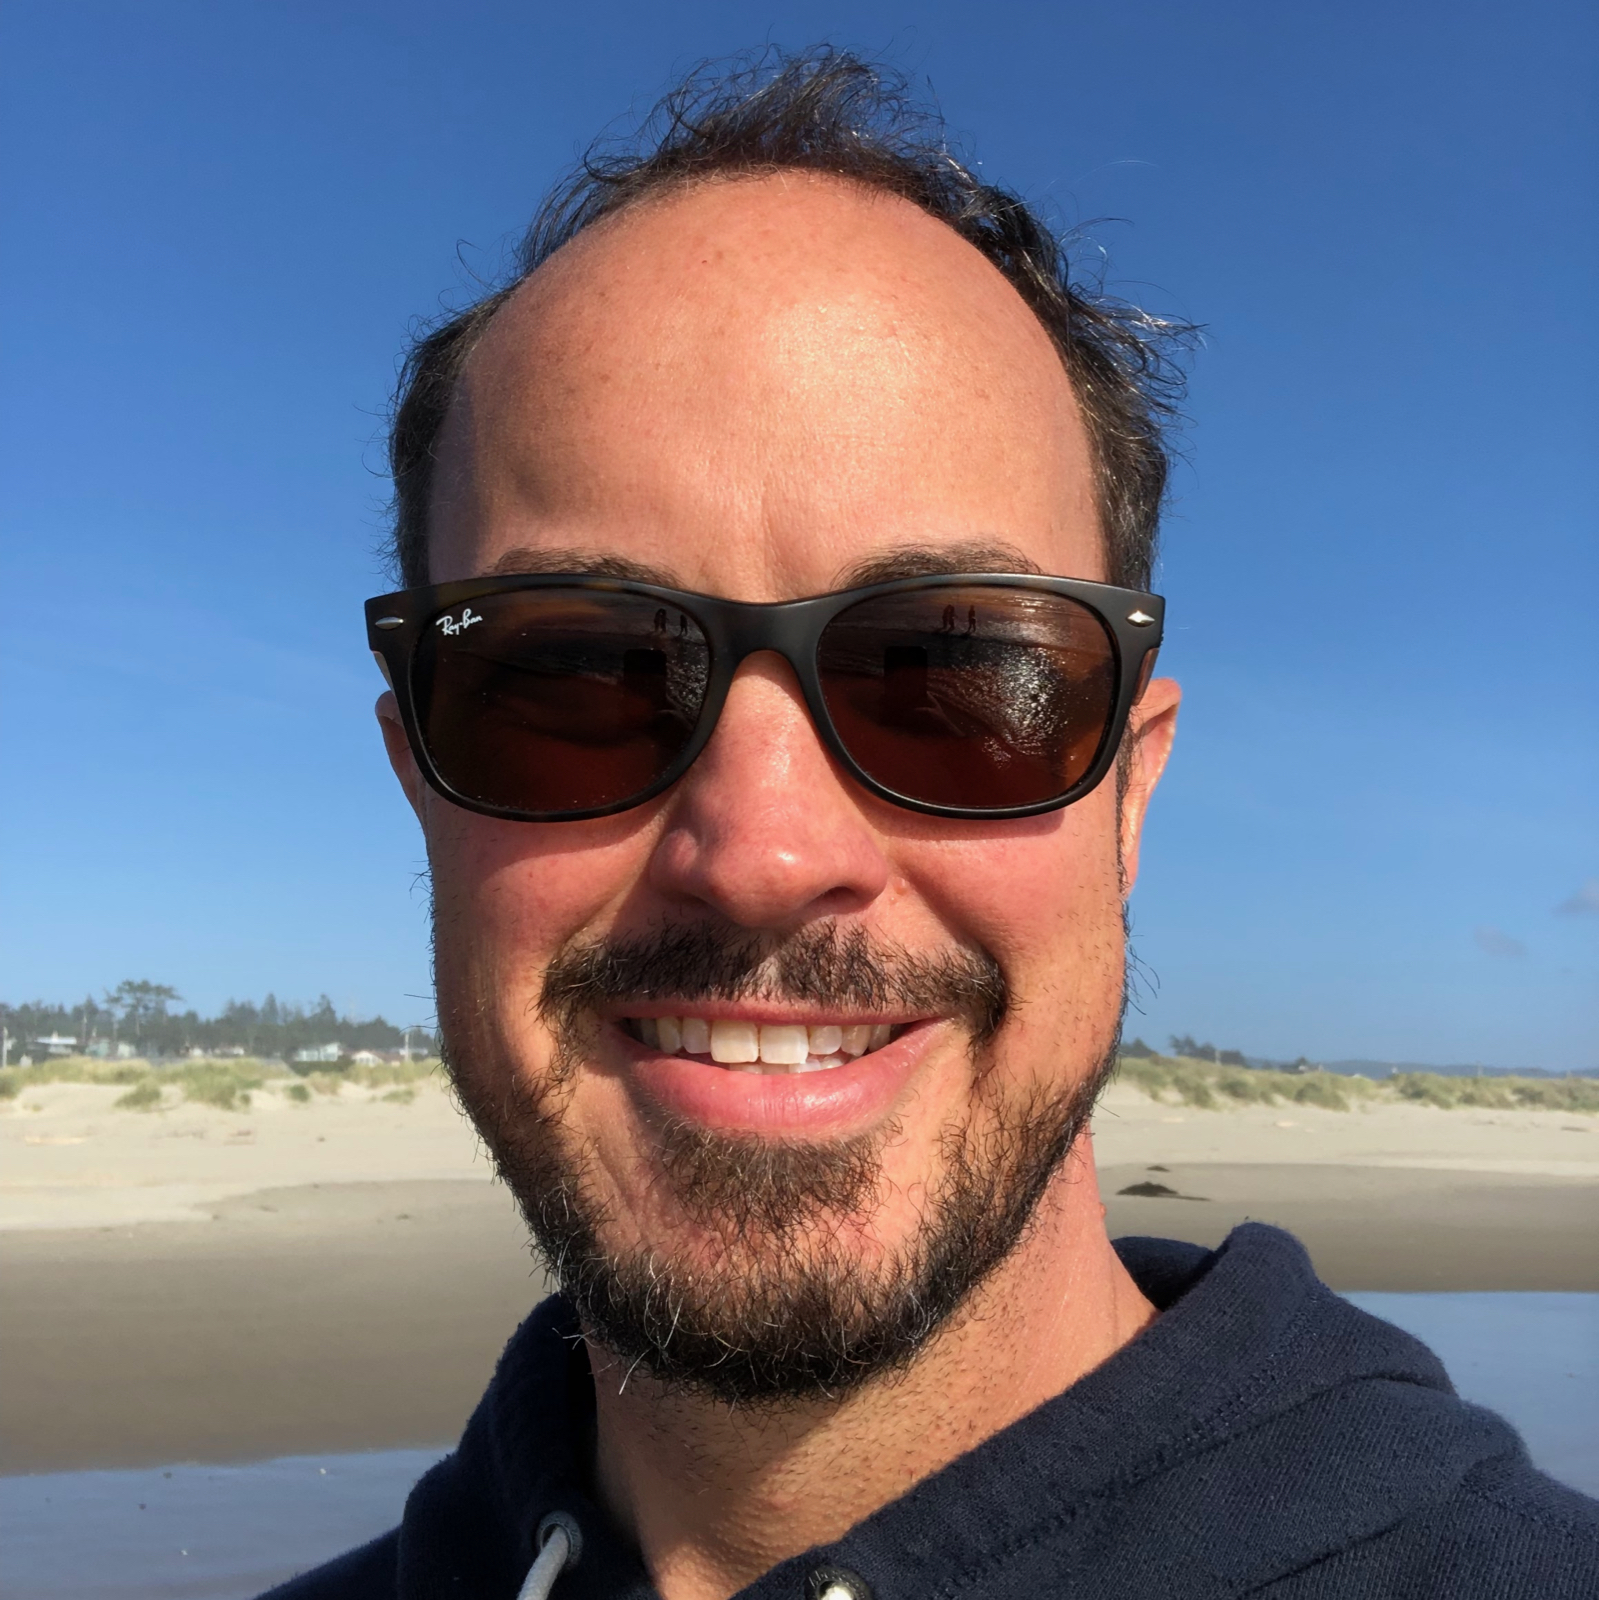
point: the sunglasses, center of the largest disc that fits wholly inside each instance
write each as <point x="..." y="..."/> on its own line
<point x="553" y="698"/>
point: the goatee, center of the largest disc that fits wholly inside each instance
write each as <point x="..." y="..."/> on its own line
<point x="774" y="1307"/>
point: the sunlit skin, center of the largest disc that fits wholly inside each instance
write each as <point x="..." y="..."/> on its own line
<point x="751" y="388"/>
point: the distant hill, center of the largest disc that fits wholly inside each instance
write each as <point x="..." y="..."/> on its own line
<point x="1386" y="1069"/>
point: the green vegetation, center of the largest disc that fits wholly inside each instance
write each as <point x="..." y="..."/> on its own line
<point x="1498" y="1094"/>
<point x="1182" y="1080"/>
<point x="226" y="1084"/>
<point x="1177" y="1080"/>
<point x="218" y="1061"/>
<point x="377" y="1075"/>
<point x="70" y="1069"/>
<point x="141" y="1014"/>
<point x="145" y="1096"/>
<point x="1210" y="1086"/>
<point x="326" y="1076"/>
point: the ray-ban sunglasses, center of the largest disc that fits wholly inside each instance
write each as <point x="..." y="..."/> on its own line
<point x="552" y="698"/>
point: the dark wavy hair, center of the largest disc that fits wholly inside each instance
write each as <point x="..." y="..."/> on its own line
<point x="832" y="112"/>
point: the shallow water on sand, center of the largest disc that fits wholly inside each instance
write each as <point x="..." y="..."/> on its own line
<point x="225" y="1533"/>
<point x="1533" y="1358"/>
<point x="194" y="1532"/>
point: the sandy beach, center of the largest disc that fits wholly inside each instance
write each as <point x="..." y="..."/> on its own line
<point x="201" y="1284"/>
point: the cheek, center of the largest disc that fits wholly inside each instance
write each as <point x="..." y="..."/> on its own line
<point x="1043" y="897"/>
<point x="508" y="895"/>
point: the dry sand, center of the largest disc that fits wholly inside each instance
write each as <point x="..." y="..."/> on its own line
<point x="213" y="1285"/>
<point x="69" y="1159"/>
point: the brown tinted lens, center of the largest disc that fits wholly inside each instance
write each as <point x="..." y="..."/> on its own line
<point x="558" y="700"/>
<point x="980" y="695"/>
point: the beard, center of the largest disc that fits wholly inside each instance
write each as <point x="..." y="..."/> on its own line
<point x="772" y="1307"/>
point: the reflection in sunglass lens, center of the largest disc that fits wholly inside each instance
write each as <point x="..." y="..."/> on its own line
<point x="558" y="700"/>
<point x="981" y="696"/>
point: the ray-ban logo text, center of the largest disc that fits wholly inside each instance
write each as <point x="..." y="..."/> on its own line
<point x="452" y="625"/>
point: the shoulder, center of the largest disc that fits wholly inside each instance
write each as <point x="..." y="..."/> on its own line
<point x="368" y="1573"/>
<point x="1541" y="1526"/>
<point x="1507" y="1530"/>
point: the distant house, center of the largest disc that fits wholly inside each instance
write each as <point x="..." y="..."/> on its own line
<point x="105" y="1050"/>
<point x="319" y="1052"/>
<point x="56" y="1044"/>
<point x="367" y="1058"/>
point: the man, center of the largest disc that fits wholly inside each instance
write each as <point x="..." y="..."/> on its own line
<point x="780" y="947"/>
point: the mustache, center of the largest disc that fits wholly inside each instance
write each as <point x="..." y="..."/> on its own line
<point x="828" y="967"/>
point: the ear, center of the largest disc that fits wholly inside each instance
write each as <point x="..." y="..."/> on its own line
<point x="399" y="749"/>
<point x="1150" y="731"/>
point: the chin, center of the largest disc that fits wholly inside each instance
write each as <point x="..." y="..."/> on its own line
<point x="769" y="1271"/>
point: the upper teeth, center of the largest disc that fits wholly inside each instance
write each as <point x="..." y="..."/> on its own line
<point x="791" y="1045"/>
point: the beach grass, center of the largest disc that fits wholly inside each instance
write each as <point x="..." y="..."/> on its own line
<point x="223" y="1084"/>
<point x="1498" y="1094"/>
<point x="226" y="1083"/>
<point x="386" y="1074"/>
<point x="70" y="1069"/>
<point x="1211" y="1087"/>
<point x="1182" y="1080"/>
<point x="143" y="1096"/>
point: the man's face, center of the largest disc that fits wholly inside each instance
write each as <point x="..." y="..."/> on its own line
<point x="764" y="389"/>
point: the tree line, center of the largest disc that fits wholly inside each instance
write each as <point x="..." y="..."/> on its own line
<point x="1185" y="1044"/>
<point x="144" y="1016"/>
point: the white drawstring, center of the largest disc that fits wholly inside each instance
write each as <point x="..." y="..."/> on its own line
<point x="560" y="1544"/>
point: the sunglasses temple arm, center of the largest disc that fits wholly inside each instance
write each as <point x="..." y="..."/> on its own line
<point x="1146" y="671"/>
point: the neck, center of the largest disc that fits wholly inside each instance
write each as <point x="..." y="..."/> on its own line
<point x="715" y="1497"/>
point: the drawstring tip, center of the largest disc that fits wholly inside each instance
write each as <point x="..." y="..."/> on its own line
<point x="560" y="1543"/>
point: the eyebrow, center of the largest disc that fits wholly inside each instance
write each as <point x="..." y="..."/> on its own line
<point x="591" y="563"/>
<point x="887" y="566"/>
<point x="936" y="561"/>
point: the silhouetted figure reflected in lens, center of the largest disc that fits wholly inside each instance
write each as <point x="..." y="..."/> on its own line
<point x="904" y="681"/>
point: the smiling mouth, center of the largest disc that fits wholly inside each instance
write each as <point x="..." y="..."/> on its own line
<point x="769" y="1047"/>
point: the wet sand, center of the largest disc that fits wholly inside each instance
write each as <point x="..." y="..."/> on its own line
<point x="223" y="1286"/>
<point x="369" y="1316"/>
<point x="335" y="1318"/>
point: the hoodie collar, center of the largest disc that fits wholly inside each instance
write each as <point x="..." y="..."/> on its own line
<point x="1247" y="1337"/>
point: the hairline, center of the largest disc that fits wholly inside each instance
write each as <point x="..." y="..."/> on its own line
<point x="675" y="187"/>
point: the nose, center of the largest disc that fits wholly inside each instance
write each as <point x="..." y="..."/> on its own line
<point x="763" y="828"/>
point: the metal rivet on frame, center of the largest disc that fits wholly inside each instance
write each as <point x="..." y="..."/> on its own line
<point x="389" y="622"/>
<point x="1139" y="619"/>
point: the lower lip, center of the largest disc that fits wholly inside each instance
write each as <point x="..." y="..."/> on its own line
<point x="840" y="1100"/>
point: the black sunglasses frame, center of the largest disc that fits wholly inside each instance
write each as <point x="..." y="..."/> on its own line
<point x="735" y="629"/>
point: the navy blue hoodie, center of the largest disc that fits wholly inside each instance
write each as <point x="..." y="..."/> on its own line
<point x="1261" y="1437"/>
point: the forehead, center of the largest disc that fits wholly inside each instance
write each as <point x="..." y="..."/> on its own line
<point x="754" y="386"/>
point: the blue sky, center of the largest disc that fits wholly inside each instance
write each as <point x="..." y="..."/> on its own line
<point x="221" y="220"/>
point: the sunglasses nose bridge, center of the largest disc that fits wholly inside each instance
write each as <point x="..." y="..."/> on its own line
<point x="785" y="629"/>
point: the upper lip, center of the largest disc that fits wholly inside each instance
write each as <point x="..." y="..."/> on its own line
<point x="757" y="1011"/>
